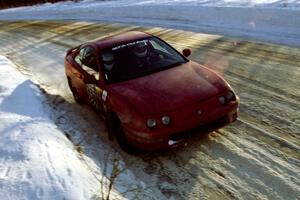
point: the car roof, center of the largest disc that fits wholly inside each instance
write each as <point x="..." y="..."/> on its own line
<point x="119" y="39"/>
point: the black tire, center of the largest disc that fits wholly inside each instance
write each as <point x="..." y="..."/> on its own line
<point x="109" y="122"/>
<point x="76" y="96"/>
<point x="114" y="128"/>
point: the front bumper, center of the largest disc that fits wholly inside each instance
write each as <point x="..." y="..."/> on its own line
<point x="173" y="138"/>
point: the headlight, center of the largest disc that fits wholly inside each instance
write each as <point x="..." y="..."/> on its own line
<point x="151" y="123"/>
<point x="222" y="100"/>
<point x="166" y="120"/>
<point x="230" y="96"/>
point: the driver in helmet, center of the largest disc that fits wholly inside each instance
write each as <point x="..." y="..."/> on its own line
<point x="108" y="61"/>
<point x="140" y="50"/>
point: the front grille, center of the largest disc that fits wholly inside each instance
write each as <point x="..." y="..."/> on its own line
<point x="205" y="128"/>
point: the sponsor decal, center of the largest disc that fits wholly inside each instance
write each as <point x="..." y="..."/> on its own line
<point x="104" y="95"/>
<point x="129" y="44"/>
<point x="94" y="95"/>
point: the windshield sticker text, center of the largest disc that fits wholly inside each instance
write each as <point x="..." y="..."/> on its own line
<point x="129" y="44"/>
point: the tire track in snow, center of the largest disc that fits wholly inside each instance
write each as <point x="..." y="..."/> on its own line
<point x="264" y="153"/>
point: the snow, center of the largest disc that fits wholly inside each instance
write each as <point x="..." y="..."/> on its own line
<point x="206" y="3"/>
<point x="256" y="158"/>
<point x="37" y="161"/>
<point x="275" y="21"/>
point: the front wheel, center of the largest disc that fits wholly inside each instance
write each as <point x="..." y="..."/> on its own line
<point x="114" y="128"/>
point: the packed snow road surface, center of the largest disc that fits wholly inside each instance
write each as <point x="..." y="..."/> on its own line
<point x="257" y="157"/>
<point x="275" y="21"/>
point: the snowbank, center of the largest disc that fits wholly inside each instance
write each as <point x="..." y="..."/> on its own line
<point x="264" y="20"/>
<point x="204" y="3"/>
<point x="36" y="160"/>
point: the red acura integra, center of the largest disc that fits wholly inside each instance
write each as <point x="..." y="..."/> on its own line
<point x="150" y="95"/>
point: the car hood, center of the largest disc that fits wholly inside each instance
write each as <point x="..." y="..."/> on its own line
<point x="169" y="89"/>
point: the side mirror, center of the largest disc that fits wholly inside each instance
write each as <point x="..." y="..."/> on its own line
<point x="186" y="52"/>
<point x="89" y="79"/>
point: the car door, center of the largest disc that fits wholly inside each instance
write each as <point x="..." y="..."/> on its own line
<point x="95" y="90"/>
<point x="79" y="74"/>
<point x="86" y="67"/>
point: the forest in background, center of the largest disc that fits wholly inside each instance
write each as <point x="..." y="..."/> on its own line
<point x="18" y="3"/>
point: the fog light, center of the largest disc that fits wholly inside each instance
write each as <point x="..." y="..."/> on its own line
<point x="151" y="123"/>
<point x="166" y="120"/>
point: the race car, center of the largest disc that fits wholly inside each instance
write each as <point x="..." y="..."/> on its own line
<point x="150" y="96"/>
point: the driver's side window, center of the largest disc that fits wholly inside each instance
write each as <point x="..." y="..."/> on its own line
<point x="79" y="56"/>
<point x="87" y="59"/>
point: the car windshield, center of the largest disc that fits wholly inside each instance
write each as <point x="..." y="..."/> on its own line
<point x="138" y="58"/>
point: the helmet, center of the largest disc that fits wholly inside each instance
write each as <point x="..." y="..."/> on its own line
<point x="108" y="60"/>
<point x="140" y="49"/>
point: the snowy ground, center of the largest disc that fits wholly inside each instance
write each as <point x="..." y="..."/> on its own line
<point x="255" y="158"/>
<point x="276" y="21"/>
<point x="37" y="161"/>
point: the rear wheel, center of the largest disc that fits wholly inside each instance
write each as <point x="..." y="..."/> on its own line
<point x="74" y="91"/>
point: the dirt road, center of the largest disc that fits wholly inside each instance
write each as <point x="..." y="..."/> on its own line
<point x="257" y="157"/>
